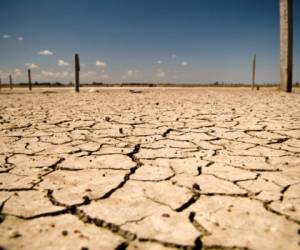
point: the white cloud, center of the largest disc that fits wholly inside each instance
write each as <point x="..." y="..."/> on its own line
<point x="17" y="72"/>
<point x="46" y="73"/>
<point x="6" y="36"/>
<point x="184" y="63"/>
<point x="89" y="74"/>
<point x="174" y="56"/>
<point x="132" y="72"/>
<point x="65" y="73"/>
<point x="20" y="38"/>
<point x="31" y="65"/>
<point x="45" y="53"/>
<point x="160" y="73"/>
<point x="105" y="76"/>
<point x="37" y="76"/>
<point x="61" y="62"/>
<point x="159" y="62"/>
<point x="100" y="63"/>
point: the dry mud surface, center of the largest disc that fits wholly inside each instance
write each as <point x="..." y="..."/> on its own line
<point x="199" y="168"/>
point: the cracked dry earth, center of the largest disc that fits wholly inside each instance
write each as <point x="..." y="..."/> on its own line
<point x="201" y="168"/>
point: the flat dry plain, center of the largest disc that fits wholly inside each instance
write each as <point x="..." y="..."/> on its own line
<point x="154" y="168"/>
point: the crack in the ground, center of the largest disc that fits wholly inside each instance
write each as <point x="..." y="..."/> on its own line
<point x="192" y="200"/>
<point x="132" y="170"/>
<point x="168" y="131"/>
<point x="197" y="246"/>
<point x="266" y="205"/>
<point x="203" y="231"/>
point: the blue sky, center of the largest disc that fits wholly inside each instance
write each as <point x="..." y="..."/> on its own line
<point x="143" y="40"/>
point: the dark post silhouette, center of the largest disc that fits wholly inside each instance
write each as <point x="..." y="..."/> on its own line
<point x="253" y="71"/>
<point x="77" y="69"/>
<point x="0" y="84"/>
<point x="286" y="45"/>
<point x="10" y="82"/>
<point x="29" y="80"/>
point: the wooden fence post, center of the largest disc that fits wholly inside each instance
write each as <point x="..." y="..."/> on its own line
<point x="77" y="69"/>
<point x="10" y="82"/>
<point x="29" y="79"/>
<point x="286" y="45"/>
<point x="253" y="71"/>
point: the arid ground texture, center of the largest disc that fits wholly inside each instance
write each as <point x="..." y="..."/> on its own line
<point x="150" y="168"/>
